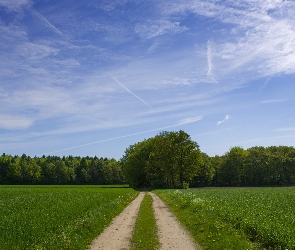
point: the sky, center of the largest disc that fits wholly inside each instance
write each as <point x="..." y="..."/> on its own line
<point x="91" y="78"/>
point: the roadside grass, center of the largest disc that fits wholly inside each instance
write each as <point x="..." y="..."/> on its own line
<point x="145" y="232"/>
<point x="210" y="231"/>
<point x="57" y="217"/>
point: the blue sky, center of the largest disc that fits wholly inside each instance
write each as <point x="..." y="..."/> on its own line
<point x="93" y="77"/>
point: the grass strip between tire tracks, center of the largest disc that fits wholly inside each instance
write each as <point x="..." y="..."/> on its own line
<point x="145" y="231"/>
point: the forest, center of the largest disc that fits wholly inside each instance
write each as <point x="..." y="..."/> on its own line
<point x="59" y="170"/>
<point x="168" y="160"/>
<point x="255" y="166"/>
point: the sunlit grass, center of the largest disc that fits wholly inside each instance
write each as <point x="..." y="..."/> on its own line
<point x="227" y="217"/>
<point x="57" y="217"/>
<point x="145" y="232"/>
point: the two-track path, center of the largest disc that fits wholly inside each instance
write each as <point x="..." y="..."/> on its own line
<point x="118" y="235"/>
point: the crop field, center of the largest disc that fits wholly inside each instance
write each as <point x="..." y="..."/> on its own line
<point x="70" y="217"/>
<point x="57" y="217"/>
<point x="236" y="218"/>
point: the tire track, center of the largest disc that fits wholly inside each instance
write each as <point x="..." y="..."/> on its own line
<point x="171" y="234"/>
<point x="118" y="235"/>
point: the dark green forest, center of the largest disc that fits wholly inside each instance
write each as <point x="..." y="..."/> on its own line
<point x="168" y="160"/>
<point x="56" y="170"/>
<point x="255" y="166"/>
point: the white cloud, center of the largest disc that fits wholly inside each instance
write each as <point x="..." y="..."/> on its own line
<point x="227" y="117"/>
<point x="289" y="129"/>
<point x="274" y="101"/>
<point x="190" y="120"/>
<point x="42" y="102"/>
<point x="32" y="51"/>
<point x="15" y="5"/>
<point x="268" y="49"/>
<point x="261" y="37"/>
<point x="14" y="122"/>
<point x="61" y="81"/>
<point x="152" y="29"/>
<point x="210" y="54"/>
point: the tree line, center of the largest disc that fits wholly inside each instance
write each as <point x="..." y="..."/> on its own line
<point x="173" y="160"/>
<point x="168" y="160"/>
<point x="56" y="170"/>
<point x="255" y="166"/>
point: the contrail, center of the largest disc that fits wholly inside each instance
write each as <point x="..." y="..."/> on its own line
<point x="209" y="58"/>
<point x="45" y="20"/>
<point x="128" y="90"/>
<point x="182" y="122"/>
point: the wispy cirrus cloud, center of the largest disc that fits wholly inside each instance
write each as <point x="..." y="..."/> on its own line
<point x="274" y="101"/>
<point x="12" y="122"/>
<point x="267" y="49"/>
<point x="260" y="40"/>
<point x="155" y="28"/>
<point x="55" y="60"/>
<point x="34" y="51"/>
<point x="190" y="120"/>
<point x="15" y="5"/>
<point x="210" y="54"/>
<point x="288" y="129"/>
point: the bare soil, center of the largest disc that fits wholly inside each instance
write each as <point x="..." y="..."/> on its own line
<point x="171" y="234"/>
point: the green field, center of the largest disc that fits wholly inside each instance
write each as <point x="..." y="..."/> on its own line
<point x="57" y="217"/>
<point x="70" y="217"/>
<point x="235" y="218"/>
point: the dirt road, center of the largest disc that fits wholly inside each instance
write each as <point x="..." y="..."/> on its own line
<point x="171" y="234"/>
<point x="118" y="235"/>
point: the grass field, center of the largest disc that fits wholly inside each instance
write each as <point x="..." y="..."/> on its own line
<point x="70" y="217"/>
<point x="57" y="217"/>
<point x="236" y="218"/>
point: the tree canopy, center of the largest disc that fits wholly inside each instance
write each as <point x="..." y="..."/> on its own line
<point x="57" y="170"/>
<point x="256" y="166"/>
<point x="168" y="160"/>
